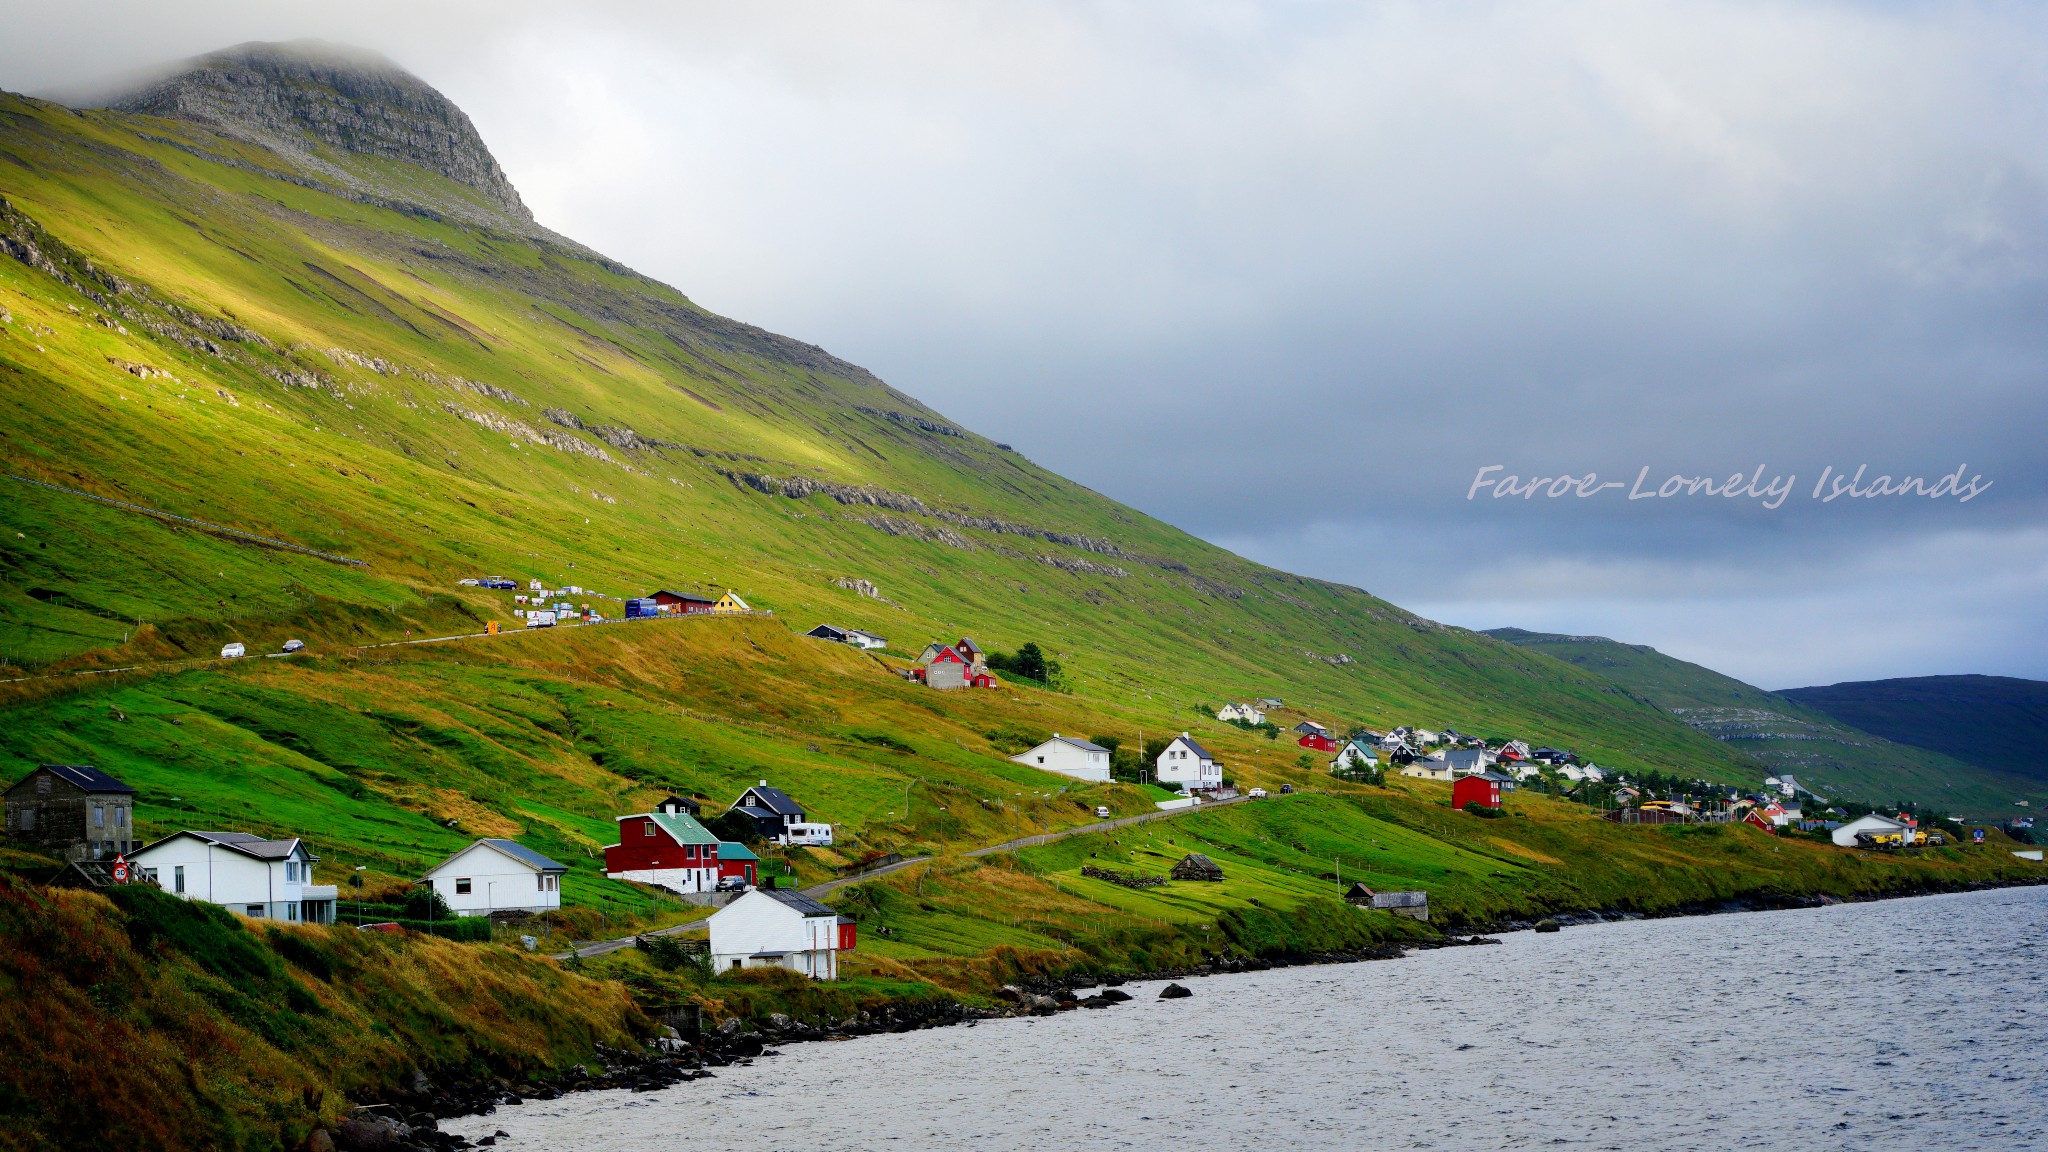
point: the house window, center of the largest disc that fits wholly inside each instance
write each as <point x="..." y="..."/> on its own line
<point x="28" y="819"/>
<point x="121" y="817"/>
<point x="42" y="785"/>
<point x="648" y="827"/>
<point x="291" y="910"/>
<point x="178" y="879"/>
<point x="462" y="886"/>
<point x="99" y="816"/>
<point x="739" y="963"/>
<point x="254" y="909"/>
<point x="291" y="872"/>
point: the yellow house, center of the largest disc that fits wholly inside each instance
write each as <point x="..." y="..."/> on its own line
<point x="730" y="602"/>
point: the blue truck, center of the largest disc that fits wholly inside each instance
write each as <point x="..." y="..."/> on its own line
<point x="643" y="607"/>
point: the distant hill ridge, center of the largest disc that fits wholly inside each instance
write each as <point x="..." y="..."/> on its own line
<point x="1997" y="722"/>
<point x="1936" y="741"/>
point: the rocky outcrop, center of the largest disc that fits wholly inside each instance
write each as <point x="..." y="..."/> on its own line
<point x="300" y="97"/>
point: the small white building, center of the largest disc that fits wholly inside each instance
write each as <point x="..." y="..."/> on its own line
<point x="1355" y="754"/>
<point x="1069" y="756"/>
<point x="1189" y="765"/>
<point x="1463" y="761"/>
<point x="780" y="928"/>
<point x="1873" y="824"/>
<point x="271" y="879"/>
<point x="1245" y="713"/>
<point x="494" y="875"/>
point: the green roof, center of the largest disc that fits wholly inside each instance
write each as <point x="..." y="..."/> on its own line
<point x="683" y="827"/>
<point x="727" y="850"/>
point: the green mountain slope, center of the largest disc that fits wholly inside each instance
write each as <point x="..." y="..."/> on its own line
<point x="1999" y="723"/>
<point x="366" y="356"/>
<point x="1791" y="732"/>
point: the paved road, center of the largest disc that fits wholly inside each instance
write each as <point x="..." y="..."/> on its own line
<point x="817" y="891"/>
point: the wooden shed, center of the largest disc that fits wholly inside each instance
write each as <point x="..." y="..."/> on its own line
<point x="1195" y="866"/>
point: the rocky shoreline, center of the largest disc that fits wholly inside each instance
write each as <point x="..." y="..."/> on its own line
<point x="407" y="1118"/>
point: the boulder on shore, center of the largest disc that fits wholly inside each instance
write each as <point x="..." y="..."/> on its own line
<point x="1174" y="992"/>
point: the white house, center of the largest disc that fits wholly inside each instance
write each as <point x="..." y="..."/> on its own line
<point x="1355" y="754"/>
<point x="1244" y="712"/>
<point x="1463" y="761"/>
<point x="1189" y="765"/>
<point x="1428" y="736"/>
<point x="494" y="875"/>
<point x="1873" y="824"/>
<point x="240" y="872"/>
<point x="780" y="928"/>
<point x="1069" y="756"/>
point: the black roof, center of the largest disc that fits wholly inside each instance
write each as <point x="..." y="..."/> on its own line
<point x="775" y="800"/>
<point x="692" y="596"/>
<point x="798" y="901"/>
<point x="1194" y="747"/>
<point x="85" y="777"/>
<point x="827" y="632"/>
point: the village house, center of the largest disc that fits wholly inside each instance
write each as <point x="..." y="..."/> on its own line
<point x="681" y="603"/>
<point x="771" y="810"/>
<point x="1427" y="736"/>
<point x="1354" y="755"/>
<point x="73" y="812"/>
<point x="1189" y="765"/>
<point x="1462" y="761"/>
<point x="853" y="636"/>
<point x="1481" y="788"/>
<point x="1427" y="769"/>
<point x="667" y="847"/>
<point x="1269" y="703"/>
<point x="1310" y="728"/>
<point x="737" y="861"/>
<point x="1872" y="825"/>
<point x="961" y="665"/>
<point x="269" y="879"/>
<point x="1317" y="741"/>
<point x="497" y="875"/>
<point x="730" y="604"/>
<point x="1069" y="756"/>
<point x="1241" y="713"/>
<point x="780" y="928"/>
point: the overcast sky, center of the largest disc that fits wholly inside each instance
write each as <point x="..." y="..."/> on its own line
<point x="1290" y="275"/>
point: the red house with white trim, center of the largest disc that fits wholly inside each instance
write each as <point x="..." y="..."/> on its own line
<point x="1318" y="741"/>
<point x="1481" y="788"/>
<point x="667" y="847"/>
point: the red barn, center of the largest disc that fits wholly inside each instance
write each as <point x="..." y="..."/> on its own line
<point x="1762" y="820"/>
<point x="1481" y="788"/>
<point x="681" y="603"/>
<point x="1318" y="741"/>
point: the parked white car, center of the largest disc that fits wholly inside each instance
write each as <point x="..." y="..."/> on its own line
<point x="231" y="651"/>
<point x="1102" y="811"/>
<point x="1256" y="793"/>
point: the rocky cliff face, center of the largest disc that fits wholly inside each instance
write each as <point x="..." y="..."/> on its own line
<point x="286" y="97"/>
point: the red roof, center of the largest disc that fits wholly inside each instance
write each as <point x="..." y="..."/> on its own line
<point x="947" y="654"/>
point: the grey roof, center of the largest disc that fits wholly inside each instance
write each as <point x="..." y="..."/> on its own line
<point x="1083" y="745"/>
<point x="1194" y="747"/>
<point x="775" y="800"/>
<point x="249" y="845"/>
<point x="517" y="851"/>
<point x="1496" y="777"/>
<point x="86" y="777"/>
<point x="798" y="901"/>
<point x="522" y="853"/>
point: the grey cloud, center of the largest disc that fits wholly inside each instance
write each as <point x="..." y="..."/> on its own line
<point x="1347" y="255"/>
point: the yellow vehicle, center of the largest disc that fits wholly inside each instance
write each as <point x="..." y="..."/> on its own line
<point x="1664" y="804"/>
<point x="1881" y="839"/>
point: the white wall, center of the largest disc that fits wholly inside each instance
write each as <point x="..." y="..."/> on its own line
<point x="226" y="877"/>
<point x="1179" y="764"/>
<point x="497" y="883"/>
<point x="1067" y="760"/>
<point x="758" y="922"/>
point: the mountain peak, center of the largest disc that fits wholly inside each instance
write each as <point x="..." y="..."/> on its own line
<point x="287" y="96"/>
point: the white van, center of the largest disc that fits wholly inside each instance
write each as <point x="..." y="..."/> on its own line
<point x="540" y="619"/>
<point x="808" y="835"/>
<point x="231" y="651"/>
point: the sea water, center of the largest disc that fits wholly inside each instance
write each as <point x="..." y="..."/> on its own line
<point x="1917" y="1023"/>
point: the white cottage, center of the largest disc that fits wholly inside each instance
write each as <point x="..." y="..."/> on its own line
<point x="494" y="875"/>
<point x="1245" y="713"/>
<point x="1069" y="756"/>
<point x="271" y="879"/>
<point x="1355" y="754"/>
<point x="1427" y="769"/>
<point x="780" y="928"/>
<point x="1189" y="765"/>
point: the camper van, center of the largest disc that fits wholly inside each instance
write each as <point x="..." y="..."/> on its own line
<point x="540" y="619"/>
<point x="232" y="651"/>
<point x="808" y="835"/>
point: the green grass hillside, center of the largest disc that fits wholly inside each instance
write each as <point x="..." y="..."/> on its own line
<point x="1999" y="723"/>
<point x="1796" y="732"/>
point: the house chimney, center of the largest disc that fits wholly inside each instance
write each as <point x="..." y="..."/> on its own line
<point x="764" y="783"/>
